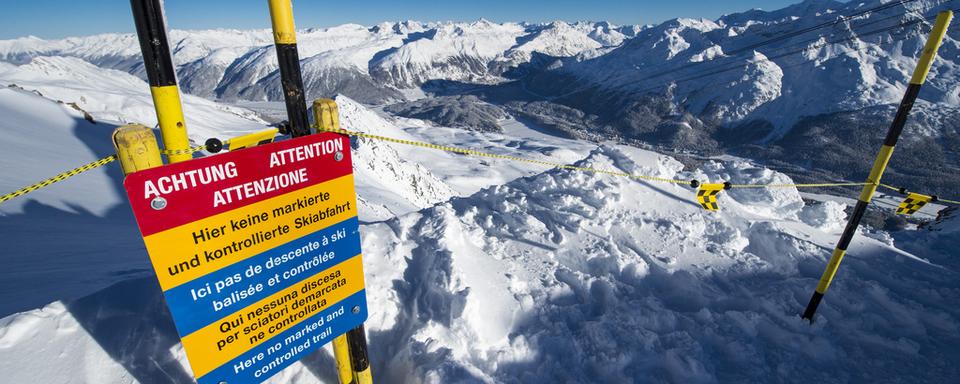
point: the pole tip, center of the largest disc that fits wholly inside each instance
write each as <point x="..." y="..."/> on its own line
<point x="811" y="310"/>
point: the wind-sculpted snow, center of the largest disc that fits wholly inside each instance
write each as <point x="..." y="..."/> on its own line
<point x="828" y="215"/>
<point x="572" y="277"/>
<point x="565" y="277"/>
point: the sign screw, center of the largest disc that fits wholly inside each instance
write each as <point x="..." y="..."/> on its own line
<point x="356" y="310"/>
<point x="338" y="156"/>
<point x="158" y="203"/>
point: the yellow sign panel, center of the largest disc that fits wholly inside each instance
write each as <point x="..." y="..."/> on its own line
<point x="257" y="252"/>
<point x="236" y="235"/>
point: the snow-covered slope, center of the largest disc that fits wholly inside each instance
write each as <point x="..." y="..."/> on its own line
<point x="478" y="269"/>
<point x="387" y="183"/>
<point x="574" y="277"/>
<point x="61" y="113"/>
<point x="74" y="237"/>
<point x="120" y="98"/>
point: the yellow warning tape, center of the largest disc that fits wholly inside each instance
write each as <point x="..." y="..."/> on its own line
<point x="473" y="152"/>
<point x="821" y="185"/>
<point x="188" y="151"/>
<point x="81" y="169"/>
<point x="59" y="178"/>
<point x="466" y="151"/>
<point x="939" y="199"/>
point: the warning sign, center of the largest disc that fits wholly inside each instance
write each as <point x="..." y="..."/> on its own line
<point x="257" y="252"/>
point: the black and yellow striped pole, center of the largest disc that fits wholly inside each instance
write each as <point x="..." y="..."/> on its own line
<point x="291" y="79"/>
<point x="158" y="63"/>
<point x="359" y="362"/>
<point x="883" y="158"/>
<point x="350" y="350"/>
<point x="341" y="353"/>
<point x="325" y="114"/>
<point x="285" y="37"/>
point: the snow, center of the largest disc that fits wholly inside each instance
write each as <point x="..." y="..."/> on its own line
<point x="482" y="269"/>
<point x="533" y="275"/>
<point x="100" y="91"/>
<point x="828" y="216"/>
<point x="609" y="292"/>
<point x="231" y="64"/>
<point x="387" y="182"/>
<point x="68" y="132"/>
<point x="556" y="39"/>
<point x="847" y="66"/>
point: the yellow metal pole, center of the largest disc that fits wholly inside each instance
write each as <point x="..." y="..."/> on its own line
<point x="883" y="158"/>
<point x="341" y="352"/>
<point x="158" y="63"/>
<point x="252" y="139"/>
<point x="291" y="78"/>
<point x="136" y="148"/>
<point x="325" y="113"/>
<point x="357" y="338"/>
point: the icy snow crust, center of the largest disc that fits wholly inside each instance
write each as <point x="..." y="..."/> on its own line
<point x="487" y="271"/>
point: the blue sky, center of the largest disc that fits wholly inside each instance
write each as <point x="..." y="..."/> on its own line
<point x="60" y="18"/>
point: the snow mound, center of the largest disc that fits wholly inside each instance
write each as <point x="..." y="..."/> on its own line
<point x="573" y="277"/>
<point x="767" y="202"/>
<point x="828" y="216"/>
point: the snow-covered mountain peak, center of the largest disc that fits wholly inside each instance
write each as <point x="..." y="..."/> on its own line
<point x="755" y="67"/>
<point x="369" y="63"/>
<point x="698" y="24"/>
<point x="482" y="269"/>
<point x="400" y="27"/>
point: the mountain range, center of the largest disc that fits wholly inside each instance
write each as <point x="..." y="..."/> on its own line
<point x="371" y="64"/>
<point x="809" y="88"/>
<point x="480" y="269"/>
